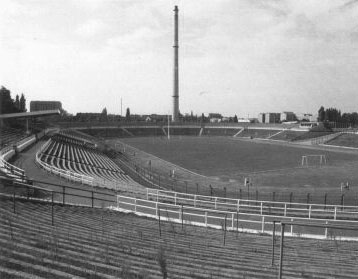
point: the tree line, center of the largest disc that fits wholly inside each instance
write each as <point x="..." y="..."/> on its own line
<point x="335" y="115"/>
<point x="9" y="105"/>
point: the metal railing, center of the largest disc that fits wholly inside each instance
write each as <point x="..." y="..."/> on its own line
<point x="284" y="209"/>
<point x="56" y="194"/>
<point x="238" y="221"/>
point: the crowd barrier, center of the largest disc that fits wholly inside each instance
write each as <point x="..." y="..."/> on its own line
<point x="235" y="221"/>
<point x="284" y="209"/>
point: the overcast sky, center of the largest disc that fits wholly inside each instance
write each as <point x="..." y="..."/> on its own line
<point x="236" y="56"/>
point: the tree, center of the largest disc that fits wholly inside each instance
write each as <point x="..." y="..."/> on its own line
<point x="104" y="112"/>
<point x="17" y="102"/>
<point x="202" y="117"/>
<point x="235" y="119"/>
<point x="321" y="114"/>
<point x="22" y="103"/>
<point x="128" y="114"/>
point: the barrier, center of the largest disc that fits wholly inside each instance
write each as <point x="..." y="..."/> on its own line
<point x="284" y="209"/>
<point x="238" y="221"/>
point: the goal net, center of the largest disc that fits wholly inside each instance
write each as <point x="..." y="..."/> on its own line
<point x="313" y="160"/>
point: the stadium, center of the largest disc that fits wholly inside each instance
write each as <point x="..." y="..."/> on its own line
<point x="94" y="197"/>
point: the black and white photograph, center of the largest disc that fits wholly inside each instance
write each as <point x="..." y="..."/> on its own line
<point x="168" y="139"/>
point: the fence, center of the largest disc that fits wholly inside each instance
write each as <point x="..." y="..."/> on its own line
<point x="284" y="209"/>
<point x="56" y="194"/>
<point x="238" y="221"/>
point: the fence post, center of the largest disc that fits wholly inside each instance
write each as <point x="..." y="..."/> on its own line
<point x="240" y="194"/>
<point x="273" y="243"/>
<point x="63" y="195"/>
<point x="263" y="224"/>
<point x="182" y="217"/>
<point x="238" y="206"/>
<point x="224" y="192"/>
<point x="342" y="202"/>
<point x="261" y="205"/>
<point x="52" y="222"/>
<point x="225" y="229"/>
<point x="281" y="250"/>
<point x="285" y="213"/>
<point x="335" y="212"/>
<point x="291" y="227"/>
<point x="216" y="199"/>
<point x="92" y="198"/>
<point x="232" y="221"/>
<point x="237" y="224"/>
<point x="325" y="200"/>
<point x="194" y="200"/>
<point x="160" y="229"/>
<point x="308" y="199"/>
<point x="309" y="212"/>
<point x="175" y="198"/>
<point x="206" y="218"/>
<point x="197" y="188"/>
<point x="326" y="231"/>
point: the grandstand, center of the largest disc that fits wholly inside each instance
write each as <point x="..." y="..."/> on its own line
<point x="288" y="135"/>
<point x="345" y="140"/>
<point x="258" y="133"/>
<point x="77" y="157"/>
<point x="9" y="136"/>
<point x="91" y="242"/>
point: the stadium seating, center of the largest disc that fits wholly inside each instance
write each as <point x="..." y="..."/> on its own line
<point x="345" y="139"/>
<point x="288" y="135"/>
<point x="9" y="136"/>
<point x="86" y="242"/>
<point x="76" y="156"/>
<point x="257" y="133"/>
<point x="220" y="131"/>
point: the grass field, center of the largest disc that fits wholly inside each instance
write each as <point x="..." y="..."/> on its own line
<point x="272" y="167"/>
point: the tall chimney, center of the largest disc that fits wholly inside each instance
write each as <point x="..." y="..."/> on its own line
<point x="175" y="116"/>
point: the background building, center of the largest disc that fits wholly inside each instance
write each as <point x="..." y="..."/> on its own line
<point x="269" y="117"/>
<point x="45" y="105"/>
<point x="287" y="116"/>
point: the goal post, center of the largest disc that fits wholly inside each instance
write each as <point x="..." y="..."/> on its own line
<point x="313" y="160"/>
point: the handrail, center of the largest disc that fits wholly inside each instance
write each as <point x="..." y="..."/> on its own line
<point x="192" y="197"/>
<point x="203" y="217"/>
<point x="334" y="212"/>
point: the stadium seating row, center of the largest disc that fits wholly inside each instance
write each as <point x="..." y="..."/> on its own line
<point x="9" y="136"/>
<point x="72" y="155"/>
<point x="87" y="242"/>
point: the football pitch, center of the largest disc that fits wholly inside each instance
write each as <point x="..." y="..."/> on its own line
<point x="271" y="166"/>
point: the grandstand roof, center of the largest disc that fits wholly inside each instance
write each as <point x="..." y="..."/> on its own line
<point x="30" y="114"/>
